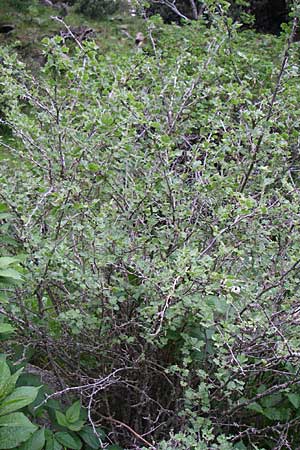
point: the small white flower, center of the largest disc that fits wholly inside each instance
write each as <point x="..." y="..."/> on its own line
<point x="235" y="289"/>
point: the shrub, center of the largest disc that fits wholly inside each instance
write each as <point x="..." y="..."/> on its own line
<point x="156" y="196"/>
<point x="97" y="9"/>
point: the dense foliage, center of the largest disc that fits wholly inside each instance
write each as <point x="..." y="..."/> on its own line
<point x="150" y="202"/>
<point x="97" y="8"/>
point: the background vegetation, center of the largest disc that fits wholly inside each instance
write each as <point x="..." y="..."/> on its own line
<point x="149" y="224"/>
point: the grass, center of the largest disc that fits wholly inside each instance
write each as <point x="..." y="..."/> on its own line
<point x="33" y="21"/>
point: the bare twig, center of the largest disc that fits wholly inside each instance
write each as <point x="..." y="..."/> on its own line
<point x="137" y="435"/>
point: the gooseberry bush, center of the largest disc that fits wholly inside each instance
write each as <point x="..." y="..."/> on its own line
<point x="155" y="196"/>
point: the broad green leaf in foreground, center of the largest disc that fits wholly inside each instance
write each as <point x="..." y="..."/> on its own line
<point x="7" y="386"/>
<point x="19" y="398"/>
<point x="68" y="440"/>
<point x="88" y="436"/>
<point x="35" y="442"/>
<point x="15" y="428"/>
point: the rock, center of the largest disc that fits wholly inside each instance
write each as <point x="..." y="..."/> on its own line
<point x="47" y="377"/>
<point x="6" y="28"/>
<point x="139" y="39"/>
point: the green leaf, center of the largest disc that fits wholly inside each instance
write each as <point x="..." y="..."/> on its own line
<point x="276" y="414"/>
<point x="51" y="442"/>
<point x="3" y="298"/>
<point x="9" y="386"/>
<point x="3" y="207"/>
<point x="88" y="436"/>
<point x="4" y="374"/>
<point x="61" y="419"/>
<point x="6" y="261"/>
<point x="10" y="273"/>
<point x="94" y="167"/>
<point x="240" y="446"/>
<point x="76" y="426"/>
<point x="68" y="440"/>
<point x="107" y="119"/>
<point x="73" y="413"/>
<point x="6" y="328"/>
<point x="271" y="400"/>
<point x="19" y="398"/>
<point x="15" y="428"/>
<point x="64" y="422"/>
<point x="294" y="399"/>
<point x="35" y="442"/>
<point x="255" y="407"/>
